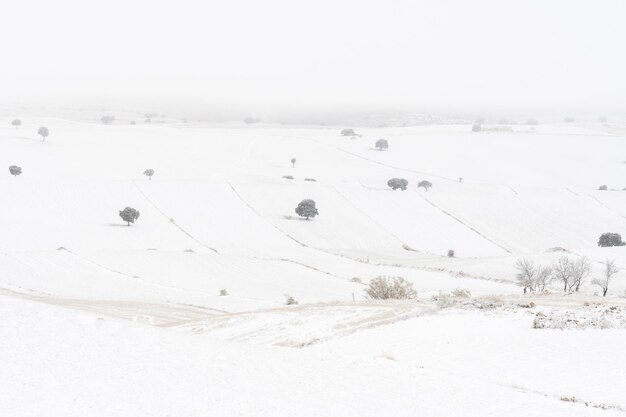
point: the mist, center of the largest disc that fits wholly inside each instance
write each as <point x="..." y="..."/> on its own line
<point x="293" y="59"/>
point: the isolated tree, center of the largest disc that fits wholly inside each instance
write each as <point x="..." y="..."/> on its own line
<point x="307" y="209"/>
<point x="610" y="269"/>
<point x="348" y="132"/>
<point x="293" y="162"/>
<point x="451" y="253"/>
<point x="16" y="123"/>
<point x="386" y="288"/>
<point x="15" y="170"/>
<point x="580" y="270"/>
<point x="543" y="277"/>
<point x="610" y="239"/>
<point x="149" y="172"/>
<point x="129" y="215"/>
<point x="382" y="144"/>
<point x="603" y="188"/>
<point x="425" y="185"/>
<point x="396" y="183"/>
<point x="526" y="272"/>
<point x="43" y="132"/>
<point x="107" y="119"/>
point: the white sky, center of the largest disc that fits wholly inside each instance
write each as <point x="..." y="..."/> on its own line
<point x="290" y="54"/>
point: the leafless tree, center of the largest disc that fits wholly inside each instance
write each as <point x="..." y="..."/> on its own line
<point x="543" y="277"/>
<point x="609" y="270"/>
<point x="580" y="270"/>
<point x="526" y="272"/>
<point x="563" y="271"/>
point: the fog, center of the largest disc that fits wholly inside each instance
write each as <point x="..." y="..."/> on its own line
<point x="286" y="56"/>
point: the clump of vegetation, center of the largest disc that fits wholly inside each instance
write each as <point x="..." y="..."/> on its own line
<point x="290" y="301"/>
<point x="251" y="120"/>
<point x="461" y="293"/>
<point x="288" y="177"/>
<point x="477" y="127"/>
<point x="532" y="122"/>
<point x="149" y="173"/>
<point x="569" y="120"/>
<point x="425" y="185"/>
<point x="43" y="132"/>
<point x="396" y="183"/>
<point x="223" y="292"/>
<point x="610" y="239"/>
<point x="107" y="119"/>
<point x="16" y="123"/>
<point x="451" y="253"/>
<point x="382" y="144"/>
<point x="603" y="188"/>
<point x="129" y="215"/>
<point x="387" y="288"/>
<point x="293" y="162"/>
<point x="310" y="179"/>
<point x="15" y="170"/>
<point x="348" y="132"/>
<point x="306" y="208"/>
<point x="356" y="280"/>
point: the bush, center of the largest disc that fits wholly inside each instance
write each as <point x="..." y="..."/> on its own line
<point x="461" y="293"/>
<point x="603" y="188"/>
<point x="382" y="144"/>
<point x="310" y="179"/>
<point x="451" y="253"/>
<point x="16" y="123"/>
<point x="476" y="127"/>
<point x="107" y="119"/>
<point x="386" y="288"/>
<point x="129" y="215"/>
<point x="290" y="301"/>
<point x="532" y="122"/>
<point x="288" y="177"/>
<point x="610" y="239"/>
<point x="250" y="120"/>
<point x="348" y="132"/>
<point x="425" y="185"/>
<point x="15" y="170"/>
<point x="307" y="209"/>
<point x="569" y="120"/>
<point x="223" y="292"/>
<point x="356" y="280"/>
<point x="149" y="172"/>
<point x="43" y="132"/>
<point x="396" y="183"/>
<point x="293" y="162"/>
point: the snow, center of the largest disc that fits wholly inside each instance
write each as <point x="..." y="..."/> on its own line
<point x="100" y="318"/>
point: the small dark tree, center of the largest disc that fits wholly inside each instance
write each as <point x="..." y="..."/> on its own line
<point x="348" y="132"/>
<point x="610" y="239"/>
<point x="16" y="123"/>
<point x="451" y="253"/>
<point x="149" y="172"/>
<point x="382" y="144"/>
<point x="603" y="188"/>
<point x="107" y="119"/>
<point x="129" y="215"/>
<point x="396" y="183"/>
<point x="476" y="127"/>
<point x="610" y="269"/>
<point x="43" y="132"/>
<point x="293" y="162"/>
<point x="15" y="170"/>
<point x="425" y="185"/>
<point x="307" y="209"/>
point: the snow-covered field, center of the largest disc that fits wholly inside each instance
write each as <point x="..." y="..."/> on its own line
<point x="101" y="319"/>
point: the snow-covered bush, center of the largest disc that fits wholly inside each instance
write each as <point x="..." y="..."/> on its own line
<point x="396" y="183"/>
<point x="348" y="132"/>
<point x="382" y="144"/>
<point x="15" y="170"/>
<point x="610" y="239"/>
<point x="386" y="288"/>
<point x="289" y="300"/>
<point x="603" y="188"/>
<point x="223" y="292"/>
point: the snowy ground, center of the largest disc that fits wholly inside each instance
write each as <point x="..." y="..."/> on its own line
<point x="97" y="318"/>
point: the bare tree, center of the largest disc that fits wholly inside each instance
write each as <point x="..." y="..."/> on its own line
<point x="609" y="270"/>
<point x="526" y="272"/>
<point x="543" y="278"/>
<point x="581" y="270"/>
<point x="563" y="271"/>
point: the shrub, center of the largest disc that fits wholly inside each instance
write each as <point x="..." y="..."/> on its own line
<point x="149" y="172"/>
<point x="290" y="301"/>
<point x="250" y="120"/>
<point x="425" y="185"/>
<point x="307" y="209"/>
<point x="451" y="253"/>
<point x="356" y="280"/>
<point x="569" y="120"/>
<point x="107" y="119"/>
<point x="310" y="179"/>
<point x="288" y="177"/>
<point x="293" y="162"/>
<point x="223" y="292"/>
<point x="16" y="123"/>
<point x="396" y="183"/>
<point x="603" y="188"/>
<point x="129" y="215"/>
<point x="132" y="122"/>
<point x="382" y="144"/>
<point x="43" y="132"/>
<point x="610" y="239"/>
<point x="476" y="127"/>
<point x="348" y="132"/>
<point x="532" y="122"/>
<point x="461" y="293"/>
<point x="15" y="170"/>
<point x="385" y="288"/>
<point x="602" y="119"/>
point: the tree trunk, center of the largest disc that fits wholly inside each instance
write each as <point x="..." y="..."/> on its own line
<point x="604" y="291"/>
